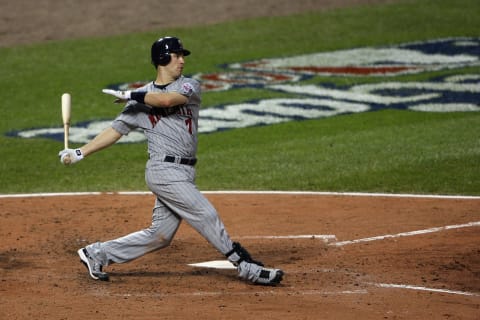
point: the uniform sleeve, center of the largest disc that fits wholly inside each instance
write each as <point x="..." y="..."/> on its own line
<point x="189" y="87"/>
<point x="125" y="122"/>
<point x="121" y="127"/>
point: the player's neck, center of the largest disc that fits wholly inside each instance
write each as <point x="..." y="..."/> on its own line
<point x="164" y="77"/>
<point x="163" y="81"/>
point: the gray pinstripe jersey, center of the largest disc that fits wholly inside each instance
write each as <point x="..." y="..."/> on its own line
<point x="177" y="197"/>
<point x="175" y="134"/>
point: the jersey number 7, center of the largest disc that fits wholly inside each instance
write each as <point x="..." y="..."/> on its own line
<point x="188" y="122"/>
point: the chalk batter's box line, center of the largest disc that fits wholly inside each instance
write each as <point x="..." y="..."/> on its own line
<point x="294" y="292"/>
<point x="225" y="264"/>
<point x="419" y="288"/>
<point x="331" y="239"/>
<point x="323" y="237"/>
<point x="289" y="291"/>
<point x="407" y="234"/>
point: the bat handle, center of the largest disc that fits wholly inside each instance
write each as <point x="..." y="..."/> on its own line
<point x="66" y="129"/>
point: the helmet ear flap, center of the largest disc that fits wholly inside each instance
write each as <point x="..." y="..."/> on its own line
<point x="164" y="59"/>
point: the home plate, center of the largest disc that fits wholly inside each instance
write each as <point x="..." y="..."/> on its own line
<point x="216" y="264"/>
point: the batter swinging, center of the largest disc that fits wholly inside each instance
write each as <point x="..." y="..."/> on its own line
<point x="167" y="111"/>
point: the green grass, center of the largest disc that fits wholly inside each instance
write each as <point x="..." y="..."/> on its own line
<point x="387" y="151"/>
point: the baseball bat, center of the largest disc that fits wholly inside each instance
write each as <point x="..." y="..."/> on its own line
<point x="66" y="113"/>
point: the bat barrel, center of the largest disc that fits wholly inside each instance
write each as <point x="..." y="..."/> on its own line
<point x="66" y="114"/>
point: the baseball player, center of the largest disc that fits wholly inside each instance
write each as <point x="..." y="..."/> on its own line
<point x="167" y="111"/>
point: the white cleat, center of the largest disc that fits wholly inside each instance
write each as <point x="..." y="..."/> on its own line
<point x="94" y="268"/>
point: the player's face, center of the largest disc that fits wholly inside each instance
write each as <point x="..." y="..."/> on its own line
<point x="176" y="64"/>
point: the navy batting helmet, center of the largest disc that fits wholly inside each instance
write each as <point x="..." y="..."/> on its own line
<point x="162" y="48"/>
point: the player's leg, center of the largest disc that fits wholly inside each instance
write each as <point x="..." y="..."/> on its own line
<point x="159" y="235"/>
<point x="164" y="225"/>
<point x="174" y="186"/>
<point x="191" y="205"/>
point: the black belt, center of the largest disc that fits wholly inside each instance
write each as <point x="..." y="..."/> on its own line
<point x="187" y="161"/>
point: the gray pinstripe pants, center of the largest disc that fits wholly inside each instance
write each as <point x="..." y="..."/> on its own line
<point x="177" y="199"/>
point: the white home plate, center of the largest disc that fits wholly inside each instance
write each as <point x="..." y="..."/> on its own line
<point x="216" y="264"/>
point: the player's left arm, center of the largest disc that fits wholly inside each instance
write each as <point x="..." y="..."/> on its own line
<point x="165" y="100"/>
<point x="154" y="99"/>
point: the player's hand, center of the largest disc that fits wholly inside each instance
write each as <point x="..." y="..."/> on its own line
<point x="70" y="156"/>
<point x="120" y="95"/>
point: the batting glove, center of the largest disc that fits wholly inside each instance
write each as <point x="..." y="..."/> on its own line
<point x="70" y="156"/>
<point x="122" y="95"/>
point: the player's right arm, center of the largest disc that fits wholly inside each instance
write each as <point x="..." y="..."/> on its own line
<point x="103" y="140"/>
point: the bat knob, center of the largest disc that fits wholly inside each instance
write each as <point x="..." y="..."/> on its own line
<point x="66" y="160"/>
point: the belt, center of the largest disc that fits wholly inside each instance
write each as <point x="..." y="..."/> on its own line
<point x="179" y="160"/>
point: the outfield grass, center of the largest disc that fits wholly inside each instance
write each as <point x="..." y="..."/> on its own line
<point x="386" y="151"/>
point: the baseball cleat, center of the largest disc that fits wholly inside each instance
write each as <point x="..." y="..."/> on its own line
<point x="259" y="275"/>
<point x="270" y="277"/>
<point x="94" y="268"/>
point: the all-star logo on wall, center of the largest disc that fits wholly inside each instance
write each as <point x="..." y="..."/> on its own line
<point x="310" y="101"/>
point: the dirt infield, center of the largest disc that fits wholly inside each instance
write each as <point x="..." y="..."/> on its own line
<point x="370" y="258"/>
